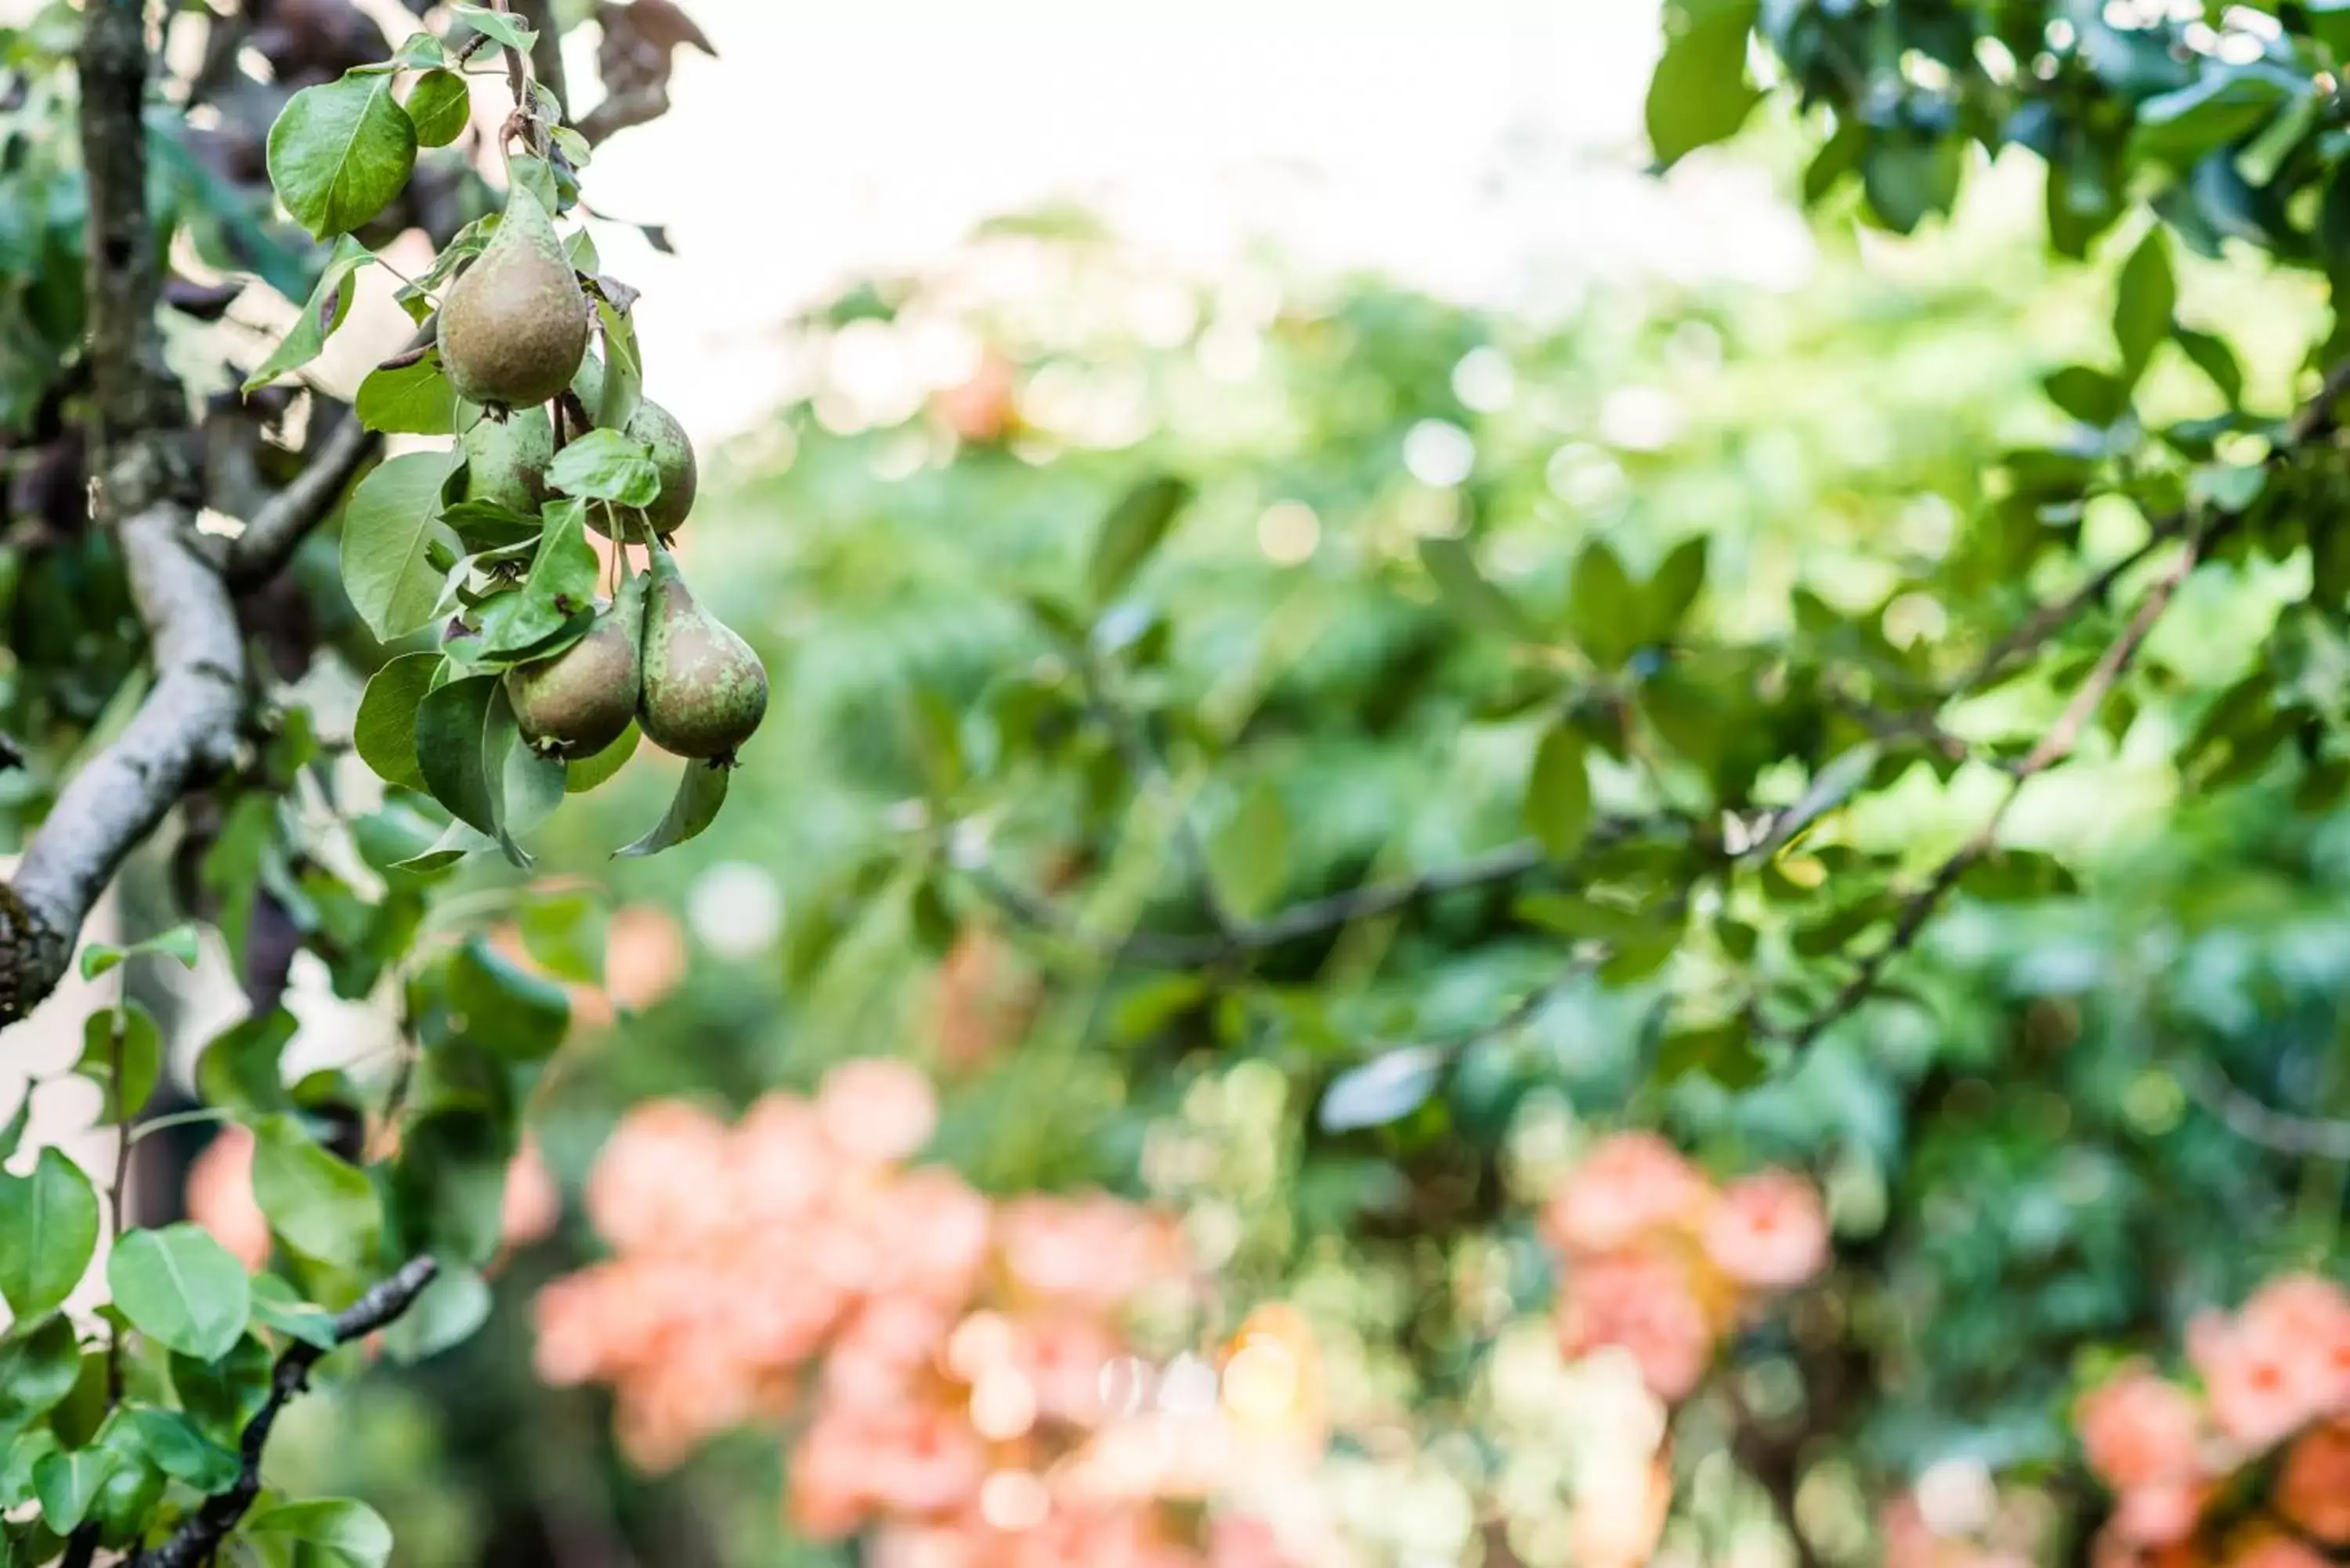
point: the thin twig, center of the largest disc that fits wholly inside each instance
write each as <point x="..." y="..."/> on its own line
<point x="121" y="1179"/>
<point x="2200" y="529"/>
<point x="1143" y="761"/>
<point x="2312" y="420"/>
<point x="518" y="81"/>
<point x="2307" y="1138"/>
<point x="200" y="1534"/>
<point x="2053" y="748"/>
<point x="1299" y="923"/>
<point x="546" y="52"/>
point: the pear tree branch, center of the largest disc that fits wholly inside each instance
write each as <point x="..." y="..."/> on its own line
<point x="2199" y="529"/>
<point x="199" y="1536"/>
<point x="148" y="489"/>
<point x="279" y="525"/>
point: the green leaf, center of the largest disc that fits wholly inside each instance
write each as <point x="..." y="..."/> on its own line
<point x="499" y="26"/>
<point x="526" y="788"/>
<point x="565" y="934"/>
<point x="451" y="727"/>
<point x="1678" y="579"/>
<point x="16" y="1461"/>
<point x="222" y="1394"/>
<point x="66" y="1484"/>
<point x="1132" y="530"/>
<point x="179" y="1449"/>
<point x="2091" y="396"/>
<point x="321" y="1532"/>
<point x="2228" y="102"/>
<point x="560" y="588"/>
<point x="49" y="1231"/>
<point x="180" y="1289"/>
<point x="624" y="367"/>
<point x="503" y="1007"/>
<point x="588" y="772"/>
<point x="2329" y="24"/>
<point x="457" y="841"/>
<point x="2016" y="874"/>
<point x="536" y="176"/>
<point x="1722" y="1052"/>
<point x="1249" y="855"/>
<point x="2217" y="361"/>
<point x="12" y="1132"/>
<point x="276" y="1305"/>
<point x="1602" y="607"/>
<point x="1148" y="1008"/>
<point x="179" y="942"/>
<point x="141" y="1050"/>
<point x="701" y="790"/>
<point x="1386" y="1089"/>
<point x="1909" y="177"/>
<point x="339" y="152"/>
<point x="388" y="527"/>
<point x="233" y="868"/>
<point x="1558" y="793"/>
<point x="2143" y="301"/>
<point x="486" y="526"/>
<point x="420" y="51"/>
<point x="384" y="734"/>
<point x="606" y="465"/>
<point x="329" y="305"/>
<point x="319" y="1205"/>
<point x="239" y="1070"/>
<point x="40" y="1362"/>
<point x="1700" y="94"/>
<point x="439" y="106"/>
<point x="450" y="1308"/>
<point x="1580" y="920"/>
<point x="1472" y="596"/>
<point x="450" y="1184"/>
<point x="411" y="400"/>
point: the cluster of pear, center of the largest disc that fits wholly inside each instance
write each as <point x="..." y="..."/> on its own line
<point x="514" y="334"/>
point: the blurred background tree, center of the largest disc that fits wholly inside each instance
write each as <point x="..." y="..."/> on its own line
<point x="1319" y="759"/>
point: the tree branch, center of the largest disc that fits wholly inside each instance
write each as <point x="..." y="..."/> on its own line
<point x="278" y="526"/>
<point x="546" y="50"/>
<point x="147" y="487"/>
<point x="2304" y="1138"/>
<point x="2053" y="748"/>
<point x="201" y="1533"/>
<point x="1299" y="923"/>
<point x="2312" y="422"/>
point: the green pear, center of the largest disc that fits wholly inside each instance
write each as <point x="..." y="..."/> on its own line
<point x="514" y="327"/>
<point x="704" y="691"/>
<point x="505" y="459"/>
<point x="658" y="429"/>
<point x="578" y="702"/>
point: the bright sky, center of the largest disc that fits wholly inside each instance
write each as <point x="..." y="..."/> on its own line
<point x="1490" y="149"/>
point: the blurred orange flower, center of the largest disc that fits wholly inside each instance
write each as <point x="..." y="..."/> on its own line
<point x="877" y="1111"/>
<point x="1631" y="1184"/>
<point x="2139" y="1430"/>
<point x="1769" y="1231"/>
<point x="1660" y="1265"/>
<point x="220" y="1196"/>
<point x="1643" y="1303"/>
<point x="949" y="1352"/>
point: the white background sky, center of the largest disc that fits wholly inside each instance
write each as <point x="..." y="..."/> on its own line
<point x="1484" y="148"/>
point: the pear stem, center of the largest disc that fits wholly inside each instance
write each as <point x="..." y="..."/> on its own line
<point x="518" y="80"/>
